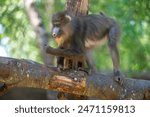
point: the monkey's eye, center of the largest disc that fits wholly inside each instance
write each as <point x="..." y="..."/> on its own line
<point x="56" y="23"/>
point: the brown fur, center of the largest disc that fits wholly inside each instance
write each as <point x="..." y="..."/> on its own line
<point x="76" y="36"/>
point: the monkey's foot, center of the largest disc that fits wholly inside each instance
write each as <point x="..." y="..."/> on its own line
<point x="60" y="68"/>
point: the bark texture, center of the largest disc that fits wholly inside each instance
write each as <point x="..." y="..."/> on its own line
<point x="25" y="73"/>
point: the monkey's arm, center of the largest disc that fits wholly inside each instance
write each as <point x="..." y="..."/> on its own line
<point x="64" y="52"/>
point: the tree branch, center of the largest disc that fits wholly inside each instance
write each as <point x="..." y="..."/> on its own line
<point x="25" y="73"/>
<point x="42" y="35"/>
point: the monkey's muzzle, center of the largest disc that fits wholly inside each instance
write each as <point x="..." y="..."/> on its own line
<point x="56" y="32"/>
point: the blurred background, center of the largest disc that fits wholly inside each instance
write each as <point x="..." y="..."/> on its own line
<point x="18" y="39"/>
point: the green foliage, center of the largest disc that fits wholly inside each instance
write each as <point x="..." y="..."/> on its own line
<point x="17" y="28"/>
<point x="133" y="16"/>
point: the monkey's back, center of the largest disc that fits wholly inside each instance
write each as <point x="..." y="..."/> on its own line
<point x="93" y="29"/>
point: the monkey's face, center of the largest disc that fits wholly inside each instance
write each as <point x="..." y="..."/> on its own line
<point x="59" y="21"/>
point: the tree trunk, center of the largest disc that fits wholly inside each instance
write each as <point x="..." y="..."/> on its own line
<point x="77" y="7"/>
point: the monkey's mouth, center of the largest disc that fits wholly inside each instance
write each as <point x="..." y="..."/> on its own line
<point x="59" y="40"/>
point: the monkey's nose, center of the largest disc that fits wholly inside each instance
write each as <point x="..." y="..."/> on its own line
<point x="55" y="31"/>
<point x="54" y="35"/>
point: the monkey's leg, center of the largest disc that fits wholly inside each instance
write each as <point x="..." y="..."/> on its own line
<point x="112" y="43"/>
<point x="60" y="63"/>
<point x="75" y="63"/>
<point x="90" y="61"/>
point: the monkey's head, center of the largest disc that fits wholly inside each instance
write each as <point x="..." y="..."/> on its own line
<point x="60" y="22"/>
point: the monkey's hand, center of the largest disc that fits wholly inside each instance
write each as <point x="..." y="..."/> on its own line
<point x="119" y="77"/>
<point x="48" y="49"/>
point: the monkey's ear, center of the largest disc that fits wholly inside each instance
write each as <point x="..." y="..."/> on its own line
<point x="68" y="17"/>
